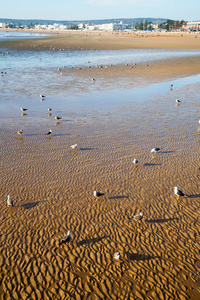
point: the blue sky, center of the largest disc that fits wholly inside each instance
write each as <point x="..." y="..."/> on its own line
<point x="100" y="9"/>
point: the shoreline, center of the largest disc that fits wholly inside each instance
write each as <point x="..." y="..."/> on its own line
<point x="81" y="40"/>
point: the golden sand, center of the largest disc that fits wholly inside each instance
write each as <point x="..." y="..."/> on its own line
<point x="52" y="188"/>
<point x="107" y="40"/>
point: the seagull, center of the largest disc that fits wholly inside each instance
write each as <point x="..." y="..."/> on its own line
<point x="42" y="96"/>
<point x="9" y="201"/>
<point x="93" y="79"/>
<point x="49" y="109"/>
<point x="171" y="85"/>
<point x="199" y="121"/>
<point x="135" y="161"/>
<point x="178" y="193"/>
<point x="74" y="146"/>
<point x="117" y="255"/>
<point x="98" y="194"/>
<point x="23" y="109"/>
<point x="66" y="238"/>
<point x="20" y="131"/>
<point x="49" y="132"/>
<point x="58" y="118"/>
<point x="138" y="217"/>
<point x="155" y="150"/>
<point x="178" y="101"/>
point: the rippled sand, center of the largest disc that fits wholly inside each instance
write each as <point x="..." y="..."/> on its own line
<point x="52" y="189"/>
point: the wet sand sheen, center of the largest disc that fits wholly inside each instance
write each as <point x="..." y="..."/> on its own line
<point x="52" y="189"/>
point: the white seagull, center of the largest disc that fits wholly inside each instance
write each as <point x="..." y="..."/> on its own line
<point x="97" y="194"/>
<point x="49" y="109"/>
<point x="9" y="201"/>
<point x="20" y="131"/>
<point x="138" y="217"/>
<point x="58" y="118"/>
<point x="178" y="101"/>
<point x="42" y="96"/>
<point x="49" y="132"/>
<point x="135" y="161"/>
<point x="178" y="192"/>
<point x="117" y="255"/>
<point x="23" y="109"/>
<point x="74" y="146"/>
<point x="155" y="150"/>
<point x="66" y="238"/>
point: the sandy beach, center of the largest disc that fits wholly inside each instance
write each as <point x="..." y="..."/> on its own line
<point x="52" y="185"/>
<point x="81" y="40"/>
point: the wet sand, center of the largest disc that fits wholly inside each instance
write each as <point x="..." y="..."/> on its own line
<point x="130" y="75"/>
<point x="52" y="189"/>
<point x="77" y="40"/>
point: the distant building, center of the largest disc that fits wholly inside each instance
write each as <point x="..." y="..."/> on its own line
<point x="103" y="27"/>
<point x="191" y="26"/>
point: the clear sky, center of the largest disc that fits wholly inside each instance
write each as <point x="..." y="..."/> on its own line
<point x="188" y="10"/>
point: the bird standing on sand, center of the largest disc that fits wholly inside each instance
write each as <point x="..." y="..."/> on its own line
<point x="74" y="146"/>
<point x="42" y="96"/>
<point x="9" y="201"/>
<point x="155" y="150"/>
<point x="178" y="192"/>
<point x="135" y="161"/>
<point x="23" y="109"/>
<point x="178" y="101"/>
<point x="49" y="132"/>
<point x="20" y="131"/>
<point x="97" y="194"/>
<point x="138" y="217"/>
<point x="58" y="118"/>
<point x="49" y="109"/>
<point x="117" y="255"/>
<point x="66" y="238"/>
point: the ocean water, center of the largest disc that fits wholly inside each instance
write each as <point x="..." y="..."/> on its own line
<point x="10" y="35"/>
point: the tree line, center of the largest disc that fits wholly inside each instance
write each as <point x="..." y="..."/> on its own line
<point x="168" y="25"/>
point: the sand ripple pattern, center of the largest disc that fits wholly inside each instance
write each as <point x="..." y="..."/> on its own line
<point x="52" y="188"/>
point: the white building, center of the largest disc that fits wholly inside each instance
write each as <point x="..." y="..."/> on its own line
<point x="192" y="26"/>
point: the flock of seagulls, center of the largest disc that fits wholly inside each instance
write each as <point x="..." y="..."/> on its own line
<point x="97" y="194"/>
<point x="49" y="109"/>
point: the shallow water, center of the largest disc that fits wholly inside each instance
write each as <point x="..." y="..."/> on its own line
<point x="10" y="35"/>
<point x="31" y="73"/>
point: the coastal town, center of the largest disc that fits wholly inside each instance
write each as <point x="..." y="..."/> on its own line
<point x="169" y="25"/>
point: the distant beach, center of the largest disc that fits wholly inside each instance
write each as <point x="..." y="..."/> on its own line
<point x="79" y="40"/>
<point x="114" y="95"/>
